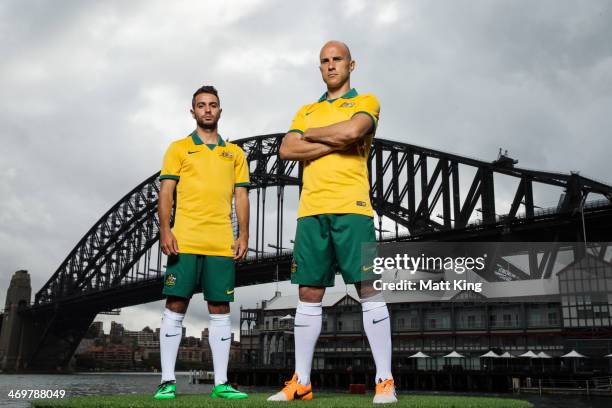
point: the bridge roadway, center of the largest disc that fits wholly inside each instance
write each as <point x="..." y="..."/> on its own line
<point x="548" y="227"/>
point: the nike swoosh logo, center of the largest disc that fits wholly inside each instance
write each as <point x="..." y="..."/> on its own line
<point x="230" y="392"/>
<point x="172" y="335"/>
<point x="367" y="268"/>
<point x="301" y="325"/>
<point x="225" y="338"/>
<point x="296" y="395"/>
<point x="197" y="151"/>
<point x="308" y="113"/>
<point x="378" y="321"/>
<point x="229" y="292"/>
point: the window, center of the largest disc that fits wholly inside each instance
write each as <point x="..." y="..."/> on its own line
<point x="471" y="321"/>
<point x="600" y="310"/>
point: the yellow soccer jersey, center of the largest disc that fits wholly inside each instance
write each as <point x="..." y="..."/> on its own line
<point x="337" y="183"/>
<point x="206" y="175"/>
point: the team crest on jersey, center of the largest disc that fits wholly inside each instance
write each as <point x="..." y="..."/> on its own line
<point x="170" y="280"/>
<point x="226" y="155"/>
<point x="293" y="267"/>
<point x="347" y="105"/>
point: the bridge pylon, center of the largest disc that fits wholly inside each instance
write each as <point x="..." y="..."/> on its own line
<point x="11" y="322"/>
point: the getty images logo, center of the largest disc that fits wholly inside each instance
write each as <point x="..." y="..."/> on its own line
<point x="459" y="264"/>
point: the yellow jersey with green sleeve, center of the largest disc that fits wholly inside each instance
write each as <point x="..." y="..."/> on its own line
<point x="337" y="183"/>
<point x="207" y="176"/>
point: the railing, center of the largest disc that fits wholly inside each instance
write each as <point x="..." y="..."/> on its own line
<point x="500" y="218"/>
<point x="591" y="386"/>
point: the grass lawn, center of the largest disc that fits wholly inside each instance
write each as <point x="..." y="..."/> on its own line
<point x="259" y="400"/>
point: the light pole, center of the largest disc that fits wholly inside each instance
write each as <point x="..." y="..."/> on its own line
<point x="278" y="251"/>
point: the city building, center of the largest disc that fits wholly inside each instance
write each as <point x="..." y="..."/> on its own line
<point x="550" y="317"/>
<point x="116" y="330"/>
<point x="143" y="338"/>
<point x="96" y="329"/>
<point x="139" y="350"/>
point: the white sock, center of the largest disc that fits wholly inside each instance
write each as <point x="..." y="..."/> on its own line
<point x="170" y="334"/>
<point x="378" y="329"/>
<point x="307" y="327"/>
<point x="220" y="340"/>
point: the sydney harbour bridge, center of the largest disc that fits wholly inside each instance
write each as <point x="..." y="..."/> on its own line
<point x="418" y="194"/>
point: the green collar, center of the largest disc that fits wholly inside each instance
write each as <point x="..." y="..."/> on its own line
<point x="196" y="139"/>
<point x="350" y="94"/>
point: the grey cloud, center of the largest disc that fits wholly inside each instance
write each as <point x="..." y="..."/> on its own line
<point x="92" y="93"/>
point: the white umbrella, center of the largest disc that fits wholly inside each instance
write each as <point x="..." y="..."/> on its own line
<point x="573" y="354"/>
<point x="419" y="355"/>
<point x="288" y="317"/>
<point x="529" y="354"/>
<point x="508" y="356"/>
<point x="543" y="356"/>
<point x="489" y="354"/>
<point x="454" y="354"/>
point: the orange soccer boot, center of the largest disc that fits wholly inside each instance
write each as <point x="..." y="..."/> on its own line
<point x="385" y="392"/>
<point x="293" y="391"/>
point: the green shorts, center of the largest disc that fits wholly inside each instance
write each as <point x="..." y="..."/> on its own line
<point x="327" y="242"/>
<point x="186" y="273"/>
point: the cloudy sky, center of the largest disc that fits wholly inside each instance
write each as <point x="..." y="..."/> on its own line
<point x="93" y="92"/>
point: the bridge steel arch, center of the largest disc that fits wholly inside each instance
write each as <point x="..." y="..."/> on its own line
<point x="415" y="190"/>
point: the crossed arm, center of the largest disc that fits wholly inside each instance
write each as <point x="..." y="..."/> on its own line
<point x="317" y="142"/>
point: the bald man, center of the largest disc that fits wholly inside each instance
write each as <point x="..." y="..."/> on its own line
<point x="332" y="137"/>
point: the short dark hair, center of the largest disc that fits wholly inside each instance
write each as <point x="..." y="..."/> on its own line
<point x="205" y="89"/>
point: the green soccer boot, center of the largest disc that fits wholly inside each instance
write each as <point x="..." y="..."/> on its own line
<point x="166" y="390"/>
<point x="227" y="391"/>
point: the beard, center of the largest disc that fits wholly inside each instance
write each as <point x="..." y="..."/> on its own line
<point x="207" y="126"/>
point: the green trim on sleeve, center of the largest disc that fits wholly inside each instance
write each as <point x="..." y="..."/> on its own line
<point x="296" y="131"/>
<point x="374" y="123"/>
<point x="242" y="184"/>
<point x="169" y="176"/>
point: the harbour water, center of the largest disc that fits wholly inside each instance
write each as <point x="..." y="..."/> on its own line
<point x="88" y="384"/>
<point x="145" y="383"/>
